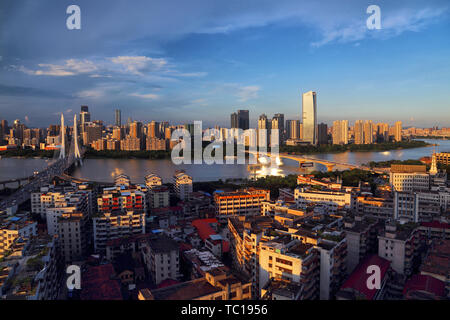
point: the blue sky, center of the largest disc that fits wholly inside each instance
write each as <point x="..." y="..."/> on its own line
<point x="203" y="59"/>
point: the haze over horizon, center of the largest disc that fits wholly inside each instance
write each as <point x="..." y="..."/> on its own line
<point x="203" y="60"/>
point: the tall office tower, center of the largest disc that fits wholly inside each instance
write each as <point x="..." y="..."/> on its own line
<point x="300" y="132"/>
<point x="85" y="116"/>
<point x="293" y="129"/>
<point x="118" y="116"/>
<point x="263" y="123"/>
<point x="309" y="104"/>
<point x="243" y="119"/>
<point x="322" y="133"/>
<point x="359" y="132"/>
<point x="368" y="132"/>
<point x="281" y="126"/>
<point x="136" y="129"/>
<point x="263" y="136"/>
<point x="340" y="132"/>
<point x="398" y="131"/>
<point x="234" y="120"/>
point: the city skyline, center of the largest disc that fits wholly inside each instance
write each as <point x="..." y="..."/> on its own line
<point x="217" y="60"/>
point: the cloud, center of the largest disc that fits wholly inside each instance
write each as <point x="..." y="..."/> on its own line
<point x="393" y="23"/>
<point x="150" y="96"/>
<point x="91" y="94"/>
<point x="248" y="92"/>
<point x="139" y="64"/>
<point x="71" y="67"/>
<point x="18" y="91"/>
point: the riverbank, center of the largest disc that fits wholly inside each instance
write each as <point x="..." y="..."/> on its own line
<point x="158" y="155"/>
<point x="335" y="148"/>
<point x="27" y="153"/>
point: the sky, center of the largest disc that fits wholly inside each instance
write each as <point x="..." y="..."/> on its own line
<point x="182" y="61"/>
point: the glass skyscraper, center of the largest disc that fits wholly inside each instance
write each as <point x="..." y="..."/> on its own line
<point x="309" y="116"/>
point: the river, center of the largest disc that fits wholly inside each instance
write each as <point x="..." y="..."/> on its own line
<point x="104" y="170"/>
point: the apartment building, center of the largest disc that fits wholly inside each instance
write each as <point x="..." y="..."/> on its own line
<point x="72" y="202"/>
<point x="245" y="235"/>
<point x="290" y="260"/>
<point x="73" y="236"/>
<point x="401" y="244"/>
<point x="182" y="184"/>
<point x="376" y="207"/>
<point x="361" y="236"/>
<point x="409" y="178"/>
<point x="245" y="202"/>
<point x="13" y="228"/>
<point x="116" y="224"/>
<point x="47" y="196"/>
<point x="443" y="157"/>
<point x="162" y="258"/>
<point x="152" y="180"/>
<point x="331" y="201"/>
<point x="158" y="197"/>
<point x="122" y="198"/>
<point x="217" y="284"/>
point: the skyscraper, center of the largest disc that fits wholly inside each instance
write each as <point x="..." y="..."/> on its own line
<point x="118" y="117"/>
<point x="234" y="120"/>
<point x="398" y="131"/>
<point x="340" y="132"/>
<point x="293" y="129"/>
<point x="322" y="133"/>
<point x="309" y="115"/>
<point x="281" y="126"/>
<point x="85" y="116"/>
<point x="359" y="132"/>
<point x="368" y="132"/>
<point x="243" y="119"/>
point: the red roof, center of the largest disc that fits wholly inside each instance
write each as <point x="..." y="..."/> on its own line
<point x="96" y="284"/>
<point x="203" y="227"/>
<point x="358" y="279"/>
<point x="424" y="283"/>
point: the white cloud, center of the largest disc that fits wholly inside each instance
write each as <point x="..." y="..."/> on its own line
<point x="139" y="64"/>
<point x="150" y="96"/>
<point x="92" y="94"/>
<point x="70" y="67"/>
<point x="248" y="93"/>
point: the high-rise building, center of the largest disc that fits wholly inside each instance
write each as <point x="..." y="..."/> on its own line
<point x="382" y="132"/>
<point x="368" y="132"/>
<point x="153" y="129"/>
<point x="234" y="120"/>
<point x="243" y="119"/>
<point x="263" y="136"/>
<point x="118" y="118"/>
<point x="398" y="131"/>
<point x="85" y="116"/>
<point x="136" y="129"/>
<point x="281" y="126"/>
<point x="322" y="133"/>
<point x="359" y="132"/>
<point x="309" y="103"/>
<point x="293" y="129"/>
<point x="340" y="132"/>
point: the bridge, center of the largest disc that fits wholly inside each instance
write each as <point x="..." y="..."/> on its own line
<point x="330" y="165"/>
<point x="63" y="161"/>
